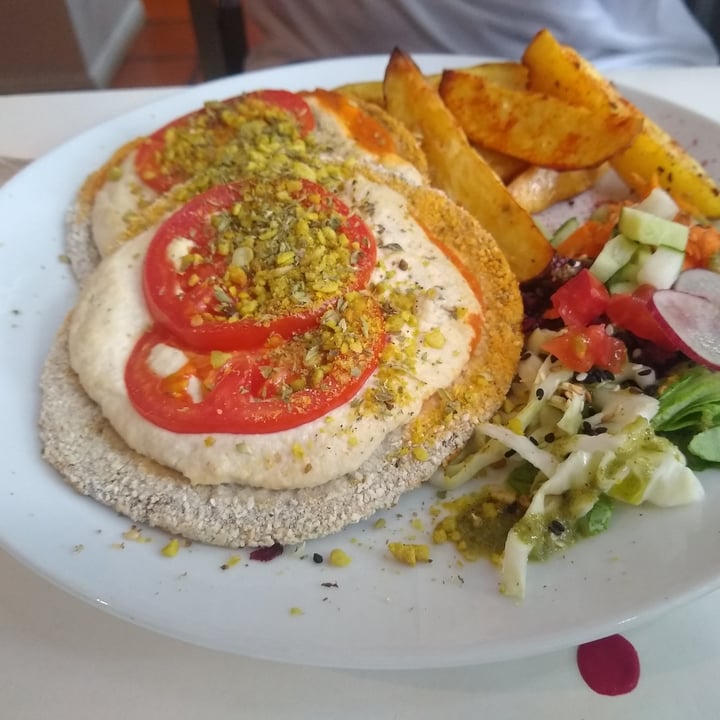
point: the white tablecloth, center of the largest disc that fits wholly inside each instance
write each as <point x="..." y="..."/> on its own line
<point x="62" y="659"/>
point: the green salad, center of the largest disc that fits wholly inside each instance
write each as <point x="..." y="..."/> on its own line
<point x="616" y="399"/>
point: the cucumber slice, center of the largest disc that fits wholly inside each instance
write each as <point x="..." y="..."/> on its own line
<point x="659" y="203"/>
<point x="564" y="231"/>
<point x="600" y="213"/>
<point x="618" y="287"/>
<point x="651" y="230"/>
<point x="625" y="279"/>
<point x="662" y="268"/>
<point x="616" y="254"/>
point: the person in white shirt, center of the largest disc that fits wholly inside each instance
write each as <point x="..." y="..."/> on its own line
<point x="610" y="33"/>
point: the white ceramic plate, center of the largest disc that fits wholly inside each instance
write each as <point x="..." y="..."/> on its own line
<point x="373" y="613"/>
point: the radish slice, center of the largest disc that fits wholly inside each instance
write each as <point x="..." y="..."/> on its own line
<point x="693" y="321"/>
<point x="699" y="281"/>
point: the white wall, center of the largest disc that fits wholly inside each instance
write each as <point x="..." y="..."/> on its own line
<point x="104" y="29"/>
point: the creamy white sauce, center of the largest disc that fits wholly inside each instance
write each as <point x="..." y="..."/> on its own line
<point x="195" y="389"/>
<point x="409" y="262"/>
<point x="333" y="133"/>
<point x="165" y="360"/>
<point x="178" y="249"/>
<point x="111" y="315"/>
<point x="115" y="199"/>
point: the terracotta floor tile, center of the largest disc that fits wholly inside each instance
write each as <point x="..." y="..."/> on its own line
<point x="166" y="9"/>
<point x="163" y="40"/>
<point x="151" y="73"/>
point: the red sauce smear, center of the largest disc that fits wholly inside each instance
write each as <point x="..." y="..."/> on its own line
<point x="609" y="666"/>
<point x="366" y="130"/>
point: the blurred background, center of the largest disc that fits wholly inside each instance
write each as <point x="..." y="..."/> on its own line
<point x="83" y="44"/>
<point x="50" y="45"/>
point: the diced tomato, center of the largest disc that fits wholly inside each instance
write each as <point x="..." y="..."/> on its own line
<point x="631" y="313"/>
<point x="581" y="299"/>
<point x="162" y="173"/>
<point x="197" y="301"/>
<point x="264" y="390"/>
<point x="610" y="352"/>
<point x="582" y="348"/>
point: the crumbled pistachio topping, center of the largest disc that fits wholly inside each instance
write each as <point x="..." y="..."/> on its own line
<point x="280" y="249"/>
<point x="409" y="553"/>
<point x="244" y="139"/>
<point x="231" y="562"/>
<point x="339" y="558"/>
<point x="332" y="352"/>
<point x="171" y="548"/>
<point x="222" y="132"/>
<point x="135" y="534"/>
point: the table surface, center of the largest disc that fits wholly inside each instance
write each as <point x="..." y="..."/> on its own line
<point x="61" y="658"/>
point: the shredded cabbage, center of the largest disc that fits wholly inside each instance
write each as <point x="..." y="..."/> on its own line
<point x="589" y="443"/>
<point x="643" y="468"/>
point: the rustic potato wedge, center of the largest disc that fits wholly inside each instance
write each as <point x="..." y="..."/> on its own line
<point x="370" y="91"/>
<point x="538" y="128"/>
<point x="537" y="188"/>
<point x="508" y="74"/>
<point x="506" y="167"/>
<point x="458" y="169"/>
<point x="654" y="158"/>
<point x="560" y="71"/>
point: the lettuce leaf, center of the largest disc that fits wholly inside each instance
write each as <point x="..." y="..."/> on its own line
<point x="689" y="414"/>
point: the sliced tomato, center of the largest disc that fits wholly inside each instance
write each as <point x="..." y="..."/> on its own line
<point x="209" y="132"/>
<point x="582" y="348"/>
<point x="199" y="300"/>
<point x="630" y="311"/>
<point x="282" y="385"/>
<point x="292" y="103"/>
<point x="580" y="300"/>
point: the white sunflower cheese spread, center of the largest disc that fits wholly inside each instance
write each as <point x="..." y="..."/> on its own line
<point x="336" y="142"/>
<point x="123" y="193"/>
<point x="118" y="196"/>
<point x="434" y="343"/>
<point x="282" y="327"/>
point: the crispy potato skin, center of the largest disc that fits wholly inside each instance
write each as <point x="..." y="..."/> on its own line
<point x="458" y="169"/>
<point x="511" y="75"/>
<point x="535" y="127"/>
<point x="654" y="157"/>
<point x="522" y="119"/>
<point x="508" y="74"/>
